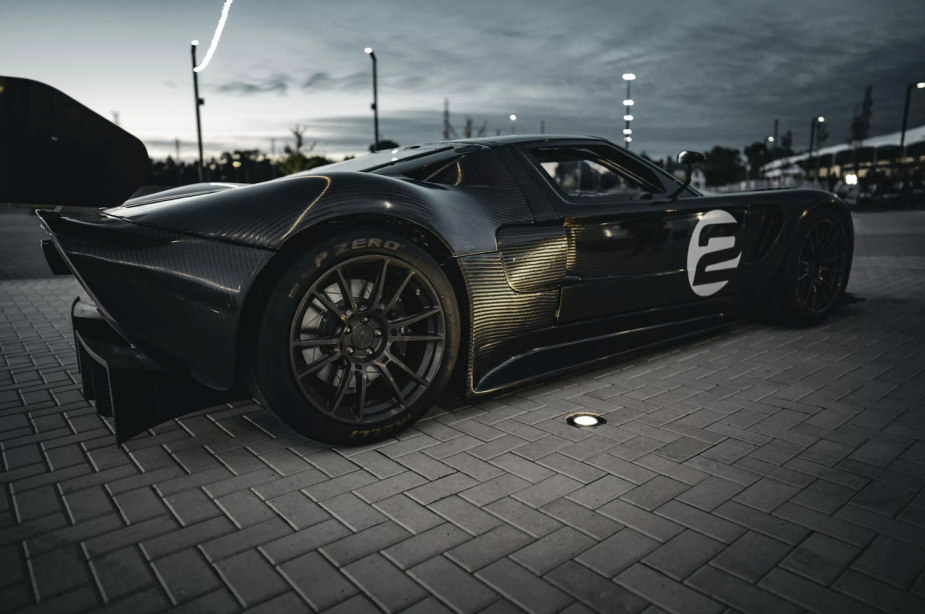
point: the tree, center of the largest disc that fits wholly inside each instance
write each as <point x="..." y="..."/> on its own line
<point x="296" y="161"/>
<point x="723" y="166"/>
<point x="383" y="144"/>
<point x="757" y="155"/>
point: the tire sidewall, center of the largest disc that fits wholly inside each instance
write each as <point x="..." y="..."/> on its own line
<point x="271" y="369"/>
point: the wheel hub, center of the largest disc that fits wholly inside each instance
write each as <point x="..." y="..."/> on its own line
<point x="362" y="337"/>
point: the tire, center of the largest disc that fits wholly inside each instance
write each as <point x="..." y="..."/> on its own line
<point x="814" y="273"/>
<point x="341" y="367"/>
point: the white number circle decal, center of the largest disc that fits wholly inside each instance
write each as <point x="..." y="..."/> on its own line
<point x="696" y="251"/>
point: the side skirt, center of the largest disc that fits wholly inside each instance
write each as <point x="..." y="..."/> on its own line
<point x="562" y="358"/>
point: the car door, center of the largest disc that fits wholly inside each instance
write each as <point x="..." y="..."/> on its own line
<point x="632" y="248"/>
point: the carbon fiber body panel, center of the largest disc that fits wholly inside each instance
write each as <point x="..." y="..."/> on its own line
<point x="176" y="296"/>
<point x="267" y="214"/>
<point x="502" y="321"/>
<point x="534" y="257"/>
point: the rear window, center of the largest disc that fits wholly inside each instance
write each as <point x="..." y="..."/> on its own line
<point x="378" y="159"/>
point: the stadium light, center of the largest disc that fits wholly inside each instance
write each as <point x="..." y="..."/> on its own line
<point x="628" y="118"/>
<point x="770" y="139"/>
<point x="628" y="102"/>
<point x="629" y="76"/>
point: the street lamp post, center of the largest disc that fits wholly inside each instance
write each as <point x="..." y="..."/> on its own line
<point x="902" y="135"/>
<point x="199" y="103"/>
<point x="627" y="117"/>
<point x="812" y="137"/>
<point x="513" y="124"/>
<point x="372" y="54"/>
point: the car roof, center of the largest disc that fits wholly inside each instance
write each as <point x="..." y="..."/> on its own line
<point x="527" y="138"/>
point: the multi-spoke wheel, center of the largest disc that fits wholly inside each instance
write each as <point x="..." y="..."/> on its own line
<point x="369" y="334"/>
<point x="821" y="266"/>
<point x="367" y="339"/>
<point x="815" y="271"/>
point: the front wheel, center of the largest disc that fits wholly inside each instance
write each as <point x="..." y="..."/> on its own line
<point x="357" y="339"/>
<point x="815" y="271"/>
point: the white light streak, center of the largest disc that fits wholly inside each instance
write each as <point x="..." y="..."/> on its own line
<point x="215" y="37"/>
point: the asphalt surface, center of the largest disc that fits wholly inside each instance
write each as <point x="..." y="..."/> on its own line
<point x="764" y="470"/>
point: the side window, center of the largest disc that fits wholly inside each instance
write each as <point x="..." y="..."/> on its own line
<point x="595" y="172"/>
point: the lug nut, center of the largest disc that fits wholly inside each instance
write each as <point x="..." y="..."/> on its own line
<point x="417" y="292"/>
<point x="349" y="350"/>
<point x="346" y="330"/>
<point x="369" y="351"/>
<point x="364" y="319"/>
<point x="377" y="333"/>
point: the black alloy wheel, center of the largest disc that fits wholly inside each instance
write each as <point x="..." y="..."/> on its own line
<point x="367" y="339"/>
<point x="357" y="337"/>
<point x="821" y="266"/>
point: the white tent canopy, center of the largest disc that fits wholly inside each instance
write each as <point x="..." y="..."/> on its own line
<point x="913" y="135"/>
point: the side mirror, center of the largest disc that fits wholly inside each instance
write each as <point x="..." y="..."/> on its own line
<point x="688" y="158"/>
<point x="55" y="151"/>
<point x="691" y="157"/>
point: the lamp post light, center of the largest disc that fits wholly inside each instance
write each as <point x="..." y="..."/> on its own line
<point x="513" y="124"/>
<point x="372" y="54"/>
<point x="770" y="139"/>
<point x="199" y="103"/>
<point x="902" y="136"/>
<point x="628" y="77"/>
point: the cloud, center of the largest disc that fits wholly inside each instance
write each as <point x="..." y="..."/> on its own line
<point x="274" y="84"/>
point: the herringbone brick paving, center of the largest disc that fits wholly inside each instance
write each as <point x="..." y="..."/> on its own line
<point x="764" y="470"/>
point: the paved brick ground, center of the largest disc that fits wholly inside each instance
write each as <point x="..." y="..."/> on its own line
<point x="766" y="470"/>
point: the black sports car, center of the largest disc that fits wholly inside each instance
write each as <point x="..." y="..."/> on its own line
<point x="346" y="298"/>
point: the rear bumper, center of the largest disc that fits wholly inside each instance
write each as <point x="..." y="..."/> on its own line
<point x="129" y="386"/>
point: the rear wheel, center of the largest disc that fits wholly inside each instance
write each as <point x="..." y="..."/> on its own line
<point x="357" y="339"/>
<point x="815" y="271"/>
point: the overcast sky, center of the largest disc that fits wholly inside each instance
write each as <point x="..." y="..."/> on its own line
<point x="708" y="71"/>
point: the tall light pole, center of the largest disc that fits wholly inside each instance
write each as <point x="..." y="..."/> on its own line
<point x="513" y="124"/>
<point x="627" y="117"/>
<point x="812" y="136"/>
<point x="372" y="54"/>
<point x="902" y="135"/>
<point x="199" y="103"/>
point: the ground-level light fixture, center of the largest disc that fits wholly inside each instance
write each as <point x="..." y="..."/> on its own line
<point x="585" y="420"/>
<point x="628" y="102"/>
<point x="629" y="76"/>
<point x="628" y="118"/>
<point x="851" y="179"/>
